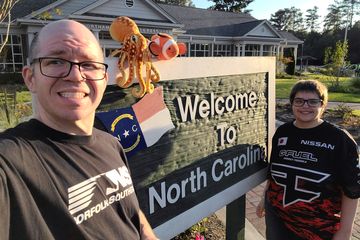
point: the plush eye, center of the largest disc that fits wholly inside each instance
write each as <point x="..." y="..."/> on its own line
<point x="134" y="38"/>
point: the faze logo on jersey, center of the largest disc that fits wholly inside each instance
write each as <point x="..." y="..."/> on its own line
<point x="290" y="177"/>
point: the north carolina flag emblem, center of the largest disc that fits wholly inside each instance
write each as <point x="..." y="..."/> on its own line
<point x="282" y="141"/>
<point x="141" y="125"/>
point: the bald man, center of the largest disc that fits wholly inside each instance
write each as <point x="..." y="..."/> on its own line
<point x="59" y="177"/>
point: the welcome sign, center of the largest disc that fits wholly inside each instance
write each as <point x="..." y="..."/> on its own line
<point x="221" y="117"/>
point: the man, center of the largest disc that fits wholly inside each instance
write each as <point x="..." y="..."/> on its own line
<point x="59" y="177"/>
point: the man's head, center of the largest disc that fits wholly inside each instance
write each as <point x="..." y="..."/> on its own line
<point x="66" y="76"/>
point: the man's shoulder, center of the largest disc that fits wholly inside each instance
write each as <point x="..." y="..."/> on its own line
<point x="12" y="138"/>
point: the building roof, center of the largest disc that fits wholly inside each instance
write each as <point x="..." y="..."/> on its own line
<point x="289" y="36"/>
<point x="209" y="22"/>
<point x="24" y="8"/>
<point x="199" y="21"/>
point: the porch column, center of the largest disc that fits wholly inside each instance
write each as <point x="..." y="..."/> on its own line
<point x="238" y="50"/>
<point x="96" y="33"/>
<point x="261" y="50"/>
<point x="295" y="56"/>
<point x="30" y="37"/>
<point x="243" y="49"/>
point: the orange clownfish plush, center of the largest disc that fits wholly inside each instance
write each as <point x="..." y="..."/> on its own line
<point x="164" y="47"/>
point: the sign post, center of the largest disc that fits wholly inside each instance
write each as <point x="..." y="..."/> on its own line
<point x="235" y="219"/>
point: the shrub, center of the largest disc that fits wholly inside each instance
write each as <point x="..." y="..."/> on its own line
<point x="355" y="82"/>
<point x="11" y="78"/>
<point x="342" y="110"/>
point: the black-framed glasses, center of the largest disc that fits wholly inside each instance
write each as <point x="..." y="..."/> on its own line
<point x="60" y="68"/>
<point x="299" y="102"/>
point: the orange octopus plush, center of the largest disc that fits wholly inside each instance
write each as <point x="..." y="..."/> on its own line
<point x="134" y="53"/>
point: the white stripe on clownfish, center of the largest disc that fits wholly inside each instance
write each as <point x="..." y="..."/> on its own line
<point x="167" y="44"/>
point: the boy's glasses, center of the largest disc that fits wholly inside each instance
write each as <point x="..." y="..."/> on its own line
<point x="299" y="102"/>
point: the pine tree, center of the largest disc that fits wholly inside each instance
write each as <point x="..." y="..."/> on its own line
<point x="231" y="5"/>
<point x="312" y="19"/>
<point x="177" y="2"/>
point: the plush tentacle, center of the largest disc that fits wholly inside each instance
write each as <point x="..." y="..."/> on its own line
<point x="132" y="67"/>
<point x="141" y="91"/>
<point x="120" y="79"/>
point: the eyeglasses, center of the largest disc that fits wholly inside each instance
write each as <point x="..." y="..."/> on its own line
<point x="299" y="102"/>
<point x="60" y="68"/>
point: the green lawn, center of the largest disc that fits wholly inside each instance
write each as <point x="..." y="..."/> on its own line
<point x="283" y="87"/>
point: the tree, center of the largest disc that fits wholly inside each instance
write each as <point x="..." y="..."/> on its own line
<point x="296" y="20"/>
<point x="337" y="58"/>
<point x="5" y="13"/>
<point x="178" y="2"/>
<point x="231" y="5"/>
<point x="312" y="18"/>
<point x="334" y="19"/>
<point x="350" y="8"/>
<point x="279" y="19"/>
<point x="288" y="19"/>
<point x="354" y="43"/>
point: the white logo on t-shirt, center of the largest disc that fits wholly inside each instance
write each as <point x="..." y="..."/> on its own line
<point x="81" y="195"/>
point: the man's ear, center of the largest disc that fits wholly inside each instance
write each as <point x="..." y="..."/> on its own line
<point x="28" y="73"/>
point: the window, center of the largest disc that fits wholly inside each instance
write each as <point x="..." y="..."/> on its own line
<point x="129" y="3"/>
<point x="11" y="58"/>
<point x="222" y="50"/>
<point x="269" y="50"/>
<point x="104" y="35"/>
<point x="200" y="50"/>
<point x="252" y="50"/>
<point x="108" y="51"/>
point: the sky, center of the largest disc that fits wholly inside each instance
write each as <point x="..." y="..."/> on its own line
<point x="262" y="9"/>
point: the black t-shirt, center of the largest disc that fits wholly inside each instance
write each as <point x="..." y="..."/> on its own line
<point x="309" y="170"/>
<point x="59" y="186"/>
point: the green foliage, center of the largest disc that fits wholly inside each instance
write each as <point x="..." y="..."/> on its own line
<point x="177" y="2"/>
<point x="10" y="117"/>
<point x="231" y="5"/>
<point x="334" y="19"/>
<point x="355" y="83"/>
<point x="342" y="110"/>
<point x="327" y="55"/>
<point x="288" y="19"/>
<point x="198" y="228"/>
<point x="356" y="113"/>
<point x="312" y="18"/>
<point x="11" y="78"/>
<point x="14" y="110"/>
<point x="340" y="53"/>
<point x="48" y="15"/>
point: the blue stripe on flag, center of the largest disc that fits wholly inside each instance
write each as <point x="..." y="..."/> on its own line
<point x="123" y="125"/>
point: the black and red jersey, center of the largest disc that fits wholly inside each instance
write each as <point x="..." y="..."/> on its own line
<point x="309" y="171"/>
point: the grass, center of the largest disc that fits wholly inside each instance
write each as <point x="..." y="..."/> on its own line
<point x="283" y="87"/>
<point x="23" y="97"/>
<point x="356" y="113"/>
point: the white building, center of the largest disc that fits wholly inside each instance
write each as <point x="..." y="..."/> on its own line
<point x="207" y="33"/>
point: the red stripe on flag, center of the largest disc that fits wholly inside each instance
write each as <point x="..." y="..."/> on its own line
<point x="149" y="105"/>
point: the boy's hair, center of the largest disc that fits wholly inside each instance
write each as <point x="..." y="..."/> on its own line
<point x="310" y="86"/>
